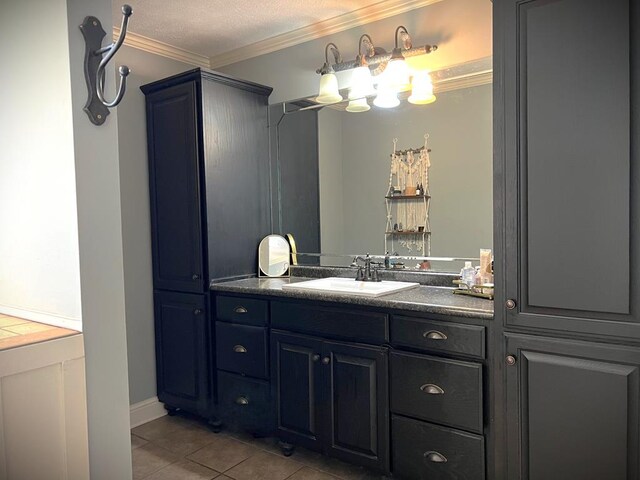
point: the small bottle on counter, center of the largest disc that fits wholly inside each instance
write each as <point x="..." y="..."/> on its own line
<point x="468" y="274"/>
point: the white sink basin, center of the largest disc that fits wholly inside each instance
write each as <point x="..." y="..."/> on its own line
<point x="349" y="286"/>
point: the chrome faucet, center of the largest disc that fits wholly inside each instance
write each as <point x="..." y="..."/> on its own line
<point x="366" y="273"/>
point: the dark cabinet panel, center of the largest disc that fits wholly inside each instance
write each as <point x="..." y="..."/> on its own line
<point x="242" y="349"/>
<point x="422" y="451"/>
<point x="182" y="350"/>
<point x="174" y="187"/>
<point x="236" y="152"/>
<point x="296" y="373"/>
<point x="438" y="390"/>
<point x="572" y="409"/>
<point x="245" y="402"/>
<point x="571" y="202"/>
<point x="358" y="403"/>
<point x="332" y="397"/>
<point x="355" y="325"/>
<point x="436" y="336"/>
<point x="248" y="311"/>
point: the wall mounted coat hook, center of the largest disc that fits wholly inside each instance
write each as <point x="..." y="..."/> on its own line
<point x="96" y="58"/>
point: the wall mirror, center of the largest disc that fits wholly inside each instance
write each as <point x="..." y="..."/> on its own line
<point x="332" y="173"/>
<point x="273" y="256"/>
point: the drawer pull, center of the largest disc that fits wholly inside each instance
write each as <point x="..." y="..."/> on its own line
<point x="197" y="311"/>
<point x="434" y="335"/>
<point x="326" y="360"/>
<point x="242" y="401"/>
<point x="240" y="310"/>
<point x="435" y="457"/>
<point x="432" y="389"/>
<point x="315" y="357"/>
<point x="239" y="349"/>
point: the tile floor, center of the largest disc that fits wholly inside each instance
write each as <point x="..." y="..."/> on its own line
<point x="182" y="447"/>
<point x="16" y="332"/>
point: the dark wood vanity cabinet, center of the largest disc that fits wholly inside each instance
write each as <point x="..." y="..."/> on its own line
<point x="332" y="397"/>
<point x="208" y="148"/>
<point x="182" y="351"/>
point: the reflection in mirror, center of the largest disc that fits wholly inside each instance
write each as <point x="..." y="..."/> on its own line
<point x="273" y="256"/>
<point x="334" y="170"/>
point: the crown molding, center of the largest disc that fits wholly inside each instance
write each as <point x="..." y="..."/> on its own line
<point x="163" y="49"/>
<point x="463" y="75"/>
<point x="321" y="29"/>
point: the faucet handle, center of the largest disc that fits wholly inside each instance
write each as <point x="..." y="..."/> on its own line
<point x="360" y="274"/>
<point x="374" y="276"/>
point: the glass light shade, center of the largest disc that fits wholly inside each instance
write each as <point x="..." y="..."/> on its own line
<point x="422" y="89"/>
<point x="329" y="92"/>
<point x="387" y="97"/>
<point x="359" y="105"/>
<point x="397" y="73"/>
<point x="361" y="83"/>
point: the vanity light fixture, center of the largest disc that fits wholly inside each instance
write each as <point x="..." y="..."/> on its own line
<point x="361" y="80"/>
<point x="421" y="89"/>
<point x="329" y="92"/>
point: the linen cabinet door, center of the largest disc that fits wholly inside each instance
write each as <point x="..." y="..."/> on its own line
<point x="572" y="409"/>
<point x="357" y="403"/>
<point x="182" y="346"/>
<point x="295" y="375"/>
<point x="174" y="189"/>
<point x="570" y="202"/>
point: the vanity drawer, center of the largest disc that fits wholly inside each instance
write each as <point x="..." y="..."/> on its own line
<point x="436" y="389"/>
<point x="368" y="327"/>
<point x="248" y="311"/>
<point x="245" y="402"/>
<point x="438" y="336"/>
<point x="422" y="451"/>
<point x="242" y="349"/>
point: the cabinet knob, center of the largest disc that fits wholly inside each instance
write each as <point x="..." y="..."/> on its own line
<point x="242" y="401"/>
<point x="435" y="457"/>
<point x="510" y="304"/>
<point x="326" y="360"/>
<point x="197" y="311"/>
<point x="511" y="360"/>
<point x="432" y="389"/>
<point x="240" y="309"/>
<point x="315" y="357"/>
<point x="434" y="335"/>
<point x="239" y="349"/>
<point x="195" y="276"/>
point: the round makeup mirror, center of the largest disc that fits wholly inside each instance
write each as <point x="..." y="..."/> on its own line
<point x="273" y="256"/>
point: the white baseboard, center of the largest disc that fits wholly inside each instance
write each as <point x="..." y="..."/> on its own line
<point x="43" y="317"/>
<point x="145" y="411"/>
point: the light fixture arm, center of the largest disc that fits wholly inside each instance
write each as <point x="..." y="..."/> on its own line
<point x="406" y="42"/>
<point x="337" y="58"/>
<point x="361" y="58"/>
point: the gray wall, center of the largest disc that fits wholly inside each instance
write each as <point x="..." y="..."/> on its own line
<point x="136" y="226"/>
<point x="43" y="94"/>
<point x="459" y="124"/>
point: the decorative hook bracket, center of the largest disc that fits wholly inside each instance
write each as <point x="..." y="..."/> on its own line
<point x="96" y="58"/>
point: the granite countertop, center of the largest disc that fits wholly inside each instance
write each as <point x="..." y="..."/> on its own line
<point x="424" y="298"/>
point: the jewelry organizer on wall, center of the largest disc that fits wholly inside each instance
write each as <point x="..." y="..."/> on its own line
<point x="407" y="201"/>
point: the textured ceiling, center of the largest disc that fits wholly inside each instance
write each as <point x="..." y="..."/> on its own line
<point x="211" y="27"/>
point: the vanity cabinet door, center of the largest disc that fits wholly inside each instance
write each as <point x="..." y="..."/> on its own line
<point x="174" y="189"/>
<point x="182" y="340"/>
<point x="296" y="372"/>
<point x="567" y="202"/>
<point x="572" y="410"/>
<point x="356" y="387"/>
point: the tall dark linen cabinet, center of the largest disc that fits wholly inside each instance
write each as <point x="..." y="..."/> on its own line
<point x="567" y="238"/>
<point x="208" y="147"/>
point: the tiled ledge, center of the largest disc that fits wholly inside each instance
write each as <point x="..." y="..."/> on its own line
<point x="17" y="332"/>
